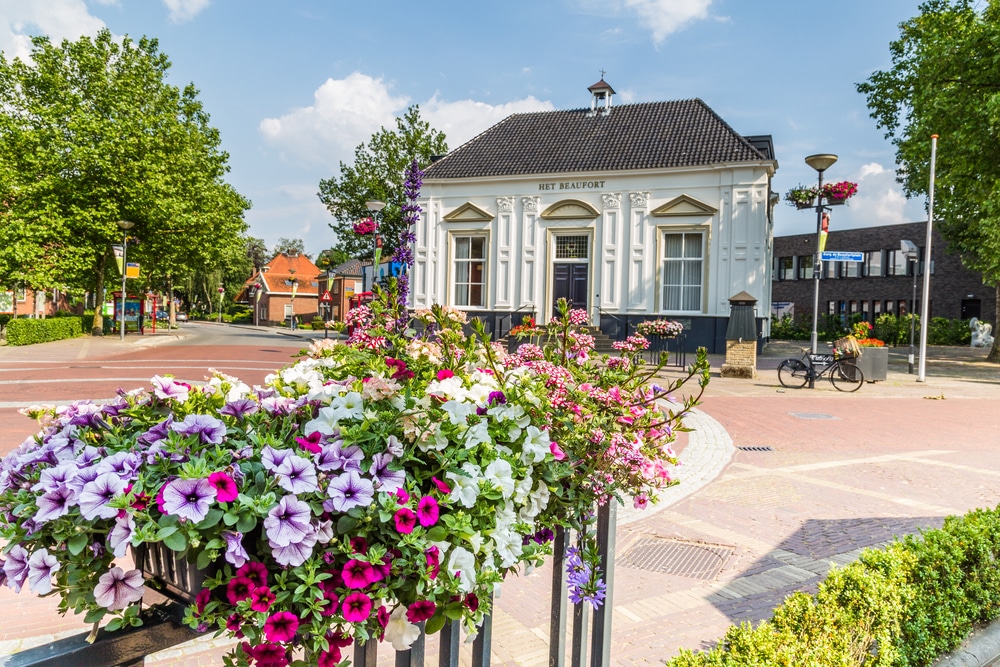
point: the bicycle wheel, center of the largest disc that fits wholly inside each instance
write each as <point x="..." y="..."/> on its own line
<point x="793" y="374"/>
<point x="847" y="377"/>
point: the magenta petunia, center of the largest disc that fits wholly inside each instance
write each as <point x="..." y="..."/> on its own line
<point x="421" y="610"/>
<point x="427" y="511"/>
<point x="255" y="572"/>
<point x="235" y="625"/>
<point x="359" y="545"/>
<point x="356" y="607"/>
<point x="382" y="616"/>
<point x="261" y="599"/>
<point x="472" y="602"/>
<point x="402" y="497"/>
<point x="433" y="558"/>
<point x="311" y="443"/>
<point x="405" y="521"/>
<point x="358" y="573"/>
<point x="444" y="374"/>
<point x="226" y="490"/>
<point x="557" y="453"/>
<point x="201" y="600"/>
<point x="239" y="589"/>
<point x="441" y="486"/>
<point x="281" y="627"/>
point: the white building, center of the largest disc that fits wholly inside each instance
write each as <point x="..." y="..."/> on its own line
<point x="633" y="212"/>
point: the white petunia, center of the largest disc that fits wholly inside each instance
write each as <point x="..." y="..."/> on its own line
<point x="458" y="412"/>
<point x="477" y="434"/>
<point x="465" y="488"/>
<point x="348" y="406"/>
<point x="500" y="474"/>
<point x="399" y="631"/>
<point x="536" y="445"/>
<point x="462" y="563"/>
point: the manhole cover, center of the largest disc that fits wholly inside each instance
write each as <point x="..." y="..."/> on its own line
<point x="812" y="415"/>
<point x="755" y="449"/>
<point x="684" y="559"/>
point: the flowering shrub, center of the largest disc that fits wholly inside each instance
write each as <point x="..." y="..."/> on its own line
<point x="368" y="487"/>
<point x="801" y="196"/>
<point x="664" y="328"/>
<point x="862" y="332"/>
<point x="364" y="226"/>
<point x="526" y="327"/>
<point x="842" y="190"/>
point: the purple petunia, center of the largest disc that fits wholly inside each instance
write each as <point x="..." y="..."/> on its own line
<point x="16" y="567"/>
<point x="387" y="481"/>
<point x="296" y="475"/>
<point x="349" y="490"/>
<point x="188" y="498"/>
<point x="335" y="456"/>
<point x="96" y="496"/>
<point x="272" y="458"/>
<point x="235" y="552"/>
<point x="121" y="535"/>
<point x="41" y="567"/>
<point x="296" y="552"/>
<point x="289" y="521"/>
<point x="208" y="429"/>
<point x="157" y="433"/>
<point x="54" y="504"/>
<point x="239" y="408"/>
<point x="124" y="464"/>
<point x="117" y="589"/>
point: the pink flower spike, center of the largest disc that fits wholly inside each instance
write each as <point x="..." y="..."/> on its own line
<point x="427" y="511"/>
<point x="226" y="490"/>
<point x="441" y="486"/>
<point x="405" y="520"/>
<point x="356" y="607"/>
<point x="557" y="453"/>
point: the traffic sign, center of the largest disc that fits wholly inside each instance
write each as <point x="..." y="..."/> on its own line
<point x="326" y="296"/>
<point x="838" y="256"/>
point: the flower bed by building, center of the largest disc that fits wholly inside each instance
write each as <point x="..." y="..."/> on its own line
<point x="369" y="487"/>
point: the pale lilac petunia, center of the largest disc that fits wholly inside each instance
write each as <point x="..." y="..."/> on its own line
<point x="235" y="554"/>
<point x="121" y="535"/>
<point x="296" y="475"/>
<point x="125" y="464"/>
<point x="54" y="504"/>
<point x="41" y="566"/>
<point x="239" y="408"/>
<point x="188" y="498"/>
<point x="209" y="429"/>
<point x="272" y="458"/>
<point x="52" y="479"/>
<point x="168" y="388"/>
<point x="82" y="477"/>
<point x="295" y="553"/>
<point x="289" y="521"/>
<point x="16" y="567"/>
<point x="387" y="481"/>
<point x="335" y="456"/>
<point x="156" y="433"/>
<point x="278" y="405"/>
<point x="117" y="589"/>
<point x="349" y="490"/>
<point x="96" y="496"/>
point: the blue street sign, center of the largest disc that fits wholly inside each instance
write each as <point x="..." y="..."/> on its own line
<point x="837" y="256"/>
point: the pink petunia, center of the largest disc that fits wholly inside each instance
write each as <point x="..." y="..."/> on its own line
<point x="261" y="599"/>
<point x="356" y="607"/>
<point x="441" y="486"/>
<point x="557" y="453"/>
<point x="427" y="511"/>
<point x="312" y="442"/>
<point x="421" y="610"/>
<point x="226" y="490"/>
<point x="201" y="600"/>
<point x="358" y="573"/>
<point x="402" y="497"/>
<point x="405" y="521"/>
<point x="472" y="602"/>
<point x="255" y="572"/>
<point x="359" y="545"/>
<point x="234" y="624"/>
<point x="239" y="589"/>
<point x="433" y="558"/>
<point x="281" y="627"/>
<point x="444" y="374"/>
<point x="382" y="616"/>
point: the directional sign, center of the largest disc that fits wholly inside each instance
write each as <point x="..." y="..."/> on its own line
<point x="837" y="256"/>
<point x="326" y="296"/>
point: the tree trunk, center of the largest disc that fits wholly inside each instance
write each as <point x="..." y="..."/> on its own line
<point x="994" y="354"/>
<point x="98" y="325"/>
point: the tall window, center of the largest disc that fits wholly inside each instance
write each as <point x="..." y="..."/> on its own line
<point x="897" y="263"/>
<point x="851" y="269"/>
<point x="683" y="259"/>
<point x="873" y="264"/>
<point x="805" y="267"/>
<point x="470" y="271"/>
<point x="786" y="268"/>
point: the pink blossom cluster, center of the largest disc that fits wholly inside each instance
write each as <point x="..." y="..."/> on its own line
<point x="364" y="226"/>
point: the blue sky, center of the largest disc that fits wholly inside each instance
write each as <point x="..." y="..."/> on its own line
<point x="295" y="85"/>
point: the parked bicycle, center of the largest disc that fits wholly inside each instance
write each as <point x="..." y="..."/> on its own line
<point x="839" y="366"/>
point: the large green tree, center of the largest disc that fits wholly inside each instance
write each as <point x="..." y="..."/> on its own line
<point x="377" y="174"/>
<point x="91" y="133"/>
<point x="945" y="80"/>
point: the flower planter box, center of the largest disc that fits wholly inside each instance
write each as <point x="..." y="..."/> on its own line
<point x="874" y="363"/>
<point x="175" y="577"/>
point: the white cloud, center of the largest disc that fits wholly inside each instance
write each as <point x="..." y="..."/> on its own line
<point x="880" y="199"/>
<point x="346" y="112"/>
<point x="59" y="19"/>
<point x="664" y="17"/>
<point x="184" y="10"/>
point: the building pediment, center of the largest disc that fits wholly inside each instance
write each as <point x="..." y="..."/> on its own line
<point x="469" y="212"/>
<point x="683" y="205"/>
<point x="570" y="209"/>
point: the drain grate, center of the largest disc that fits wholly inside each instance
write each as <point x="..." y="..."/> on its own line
<point x="755" y="449"/>
<point x="812" y="415"/>
<point x="684" y="559"/>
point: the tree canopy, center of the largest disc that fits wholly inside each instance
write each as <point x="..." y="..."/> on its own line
<point x="91" y="133"/>
<point x="289" y="247"/>
<point x="377" y="174"/>
<point x="945" y="80"/>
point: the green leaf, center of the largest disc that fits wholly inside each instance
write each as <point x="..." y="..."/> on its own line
<point x="230" y="519"/>
<point x="176" y="541"/>
<point x="246" y="523"/>
<point x="94" y="615"/>
<point x="453" y="611"/>
<point x="165" y="532"/>
<point x="77" y="543"/>
<point x="345" y="525"/>
<point x="437" y="534"/>
<point x="435" y="623"/>
<point x="204" y="560"/>
<point x="212" y="518"/>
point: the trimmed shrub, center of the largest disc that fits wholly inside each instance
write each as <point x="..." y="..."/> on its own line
<point x="905" y="604"/>
<point x="29" y="332"/>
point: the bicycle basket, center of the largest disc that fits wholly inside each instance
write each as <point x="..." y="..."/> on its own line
<point x="847" y="347"/>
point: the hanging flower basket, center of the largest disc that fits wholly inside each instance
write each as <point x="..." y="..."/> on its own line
<point x="839" y="193"/>
<point x="802" y="196"/>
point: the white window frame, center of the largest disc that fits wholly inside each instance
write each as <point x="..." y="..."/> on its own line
<point x="687" y="276"/>
<point x="454" y="239"/>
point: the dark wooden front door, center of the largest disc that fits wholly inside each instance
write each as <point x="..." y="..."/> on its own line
<point x="569" y="281"/>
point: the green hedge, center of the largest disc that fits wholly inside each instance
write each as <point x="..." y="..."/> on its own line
<point x="28" y="332"/>
<point x="905" y="604"/>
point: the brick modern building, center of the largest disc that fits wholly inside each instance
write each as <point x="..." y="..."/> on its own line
<point x="883" y="282"/>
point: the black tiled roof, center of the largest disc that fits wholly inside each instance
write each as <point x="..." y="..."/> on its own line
<point x="652" y="135"/>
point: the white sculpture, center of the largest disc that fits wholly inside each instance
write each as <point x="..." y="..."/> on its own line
<point x="982" y="335"/>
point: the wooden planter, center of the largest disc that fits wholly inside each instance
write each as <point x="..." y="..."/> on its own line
<point x="874" y="363"/>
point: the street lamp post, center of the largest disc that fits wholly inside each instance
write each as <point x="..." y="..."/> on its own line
<point x="820" y="163"/>
<point x="256" y="304"/>
<point x="375" y="206"/>
<point x="124" y="225"/>
<point x="912" y="253"/>
<point x="222" y="290"/>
